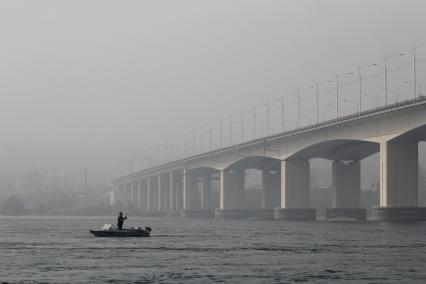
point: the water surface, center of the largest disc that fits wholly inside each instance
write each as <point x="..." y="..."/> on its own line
<point x="61" y="250"/>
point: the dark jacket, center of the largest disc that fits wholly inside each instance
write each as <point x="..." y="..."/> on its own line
<point x="120" y="221"/>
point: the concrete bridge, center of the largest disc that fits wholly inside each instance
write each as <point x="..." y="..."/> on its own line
<point x="394" y="131"/>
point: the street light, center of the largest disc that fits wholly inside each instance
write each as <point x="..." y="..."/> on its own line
<point x="337" y="91"/>
<point x="193" y="141"/>
<point x="415" y="87"/>
<point x="267" y="118"/>
<point x="292" y="119"/>
<point x="414" y="69"/>
<point x="298" y="103"/>
<point x="316" y="93"/>
<point x="220" y="134"/>
<point x="210" y="136"/>
<point x="360" y="82"/>
<point x="395" y="93"/>
<point x="374" y="97"/>
<point x="242" y="127"/>
<point x="254" y="123"/>
<point x="308" y="117"/>
<point x="282" y="114"/>
<point x="230" y="130"/>
<point x="386" y="75"/>
<point x="352" y="102"/>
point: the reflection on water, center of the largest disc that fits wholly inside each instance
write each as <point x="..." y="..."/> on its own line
<point x="60" y="249"/>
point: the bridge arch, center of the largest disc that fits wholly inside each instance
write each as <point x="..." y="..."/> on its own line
<point x="338" y="149"/>
<point x="202" y="170"/>
<point x="262" y="163"/>
<point x="416" y="134"/>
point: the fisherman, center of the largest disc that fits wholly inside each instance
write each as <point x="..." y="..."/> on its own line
<point x="120" y="220"/>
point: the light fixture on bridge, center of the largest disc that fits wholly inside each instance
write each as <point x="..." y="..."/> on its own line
<point x="386" y="74"/>
<point x="337" y="90"/>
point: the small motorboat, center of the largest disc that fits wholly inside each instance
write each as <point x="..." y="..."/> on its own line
<point x="110" y="230"/>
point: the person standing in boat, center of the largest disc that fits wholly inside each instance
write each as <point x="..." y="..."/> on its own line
<point x="120" y="220"/>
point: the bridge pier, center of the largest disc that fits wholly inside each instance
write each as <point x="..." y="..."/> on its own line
<point x="231" y="195"/>
<point x="295" y="197"/>
<point x="143" y="194"/>
<point x="271" y="194"/>
<point x="152" y="200"/>
<point x="399" y="183"/>
<point x="206" y="192"/>
<point x="191" y="197"/>
<point x="161" y="194"/>
<point x="346" y="192"/>
<point x="172" y="192"/>
<point x="179" y="191"/>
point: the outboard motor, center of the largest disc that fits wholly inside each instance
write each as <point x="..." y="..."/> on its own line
<point x="148" y="229"/>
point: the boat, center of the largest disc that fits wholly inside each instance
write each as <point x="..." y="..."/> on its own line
<point x="110" y="230"/>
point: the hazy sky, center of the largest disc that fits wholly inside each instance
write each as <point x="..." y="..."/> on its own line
<point x="135" y="72"/>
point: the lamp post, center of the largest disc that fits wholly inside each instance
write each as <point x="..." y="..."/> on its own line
<point x="242" y="127"/>
<point x="193" y="142"/>
<point x="337" y="91"/>
<point x="414" y="69"/>
<point x="201" y="141"/>
<point x="414" y="73"/>
<point x="360" y="82"/>
<point x="308" y="117"/>
<point x="419" y="87"/>
<point x="393" y="92"/>
<point x="282" y="114"/>
<point x="220" y="134"/>
<point x="210" y="136"/>
<point x="185" y="147"/>
<point x="254" y="123"/>
<point x="298" y="103"/>
<point x="267" y="118"/>
<point x="290" y="118"/>
<point x="374" y="97"/>
<point x="386" y="75"/>
<point x="230" y="130"/>
<point x="317" y="94"/>
<point x="352" y="102"/>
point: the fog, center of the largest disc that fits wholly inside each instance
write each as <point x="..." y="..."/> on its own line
<point x="89" y="84"/>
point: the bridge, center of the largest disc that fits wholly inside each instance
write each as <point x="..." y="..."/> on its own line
<point x="183" y="182"/>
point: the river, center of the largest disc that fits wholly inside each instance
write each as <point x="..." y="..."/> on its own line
<point x="61" y="250"/>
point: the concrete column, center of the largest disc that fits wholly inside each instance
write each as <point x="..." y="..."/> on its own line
<point x="346" y="181"/>
<point x="399" y="183"/>
<point x="152" y="193"/>
<point x="143" y="197"/>
<point x="179" y="192"/>
<point x="346" y="192"/>
<point x="172" y="192"/>
<point x="187" y="188"/>
<point x="128" y="194"/>
<point x="271" y="189"/>
<point x="399" y="174"/>
<point x="231" y="189"/>
<point x="295" y="184"/>
<point x="135" y="193"/>
<point x="148" y="194"/>
<point x="195" y="194"/>
<point x="206" y="192"/>
<point x="163" y="190"/>
<point x="138" y="193"/>
<point x="132" y="193"/>
<point x="295" y="197"/>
